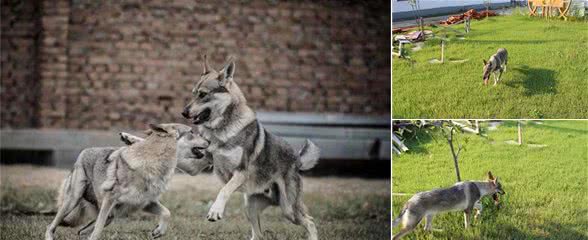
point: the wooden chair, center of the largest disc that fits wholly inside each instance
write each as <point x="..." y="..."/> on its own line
<point x="563" y="6"/>
<point x="547" y="6"/>
<point x="533" y="5"/>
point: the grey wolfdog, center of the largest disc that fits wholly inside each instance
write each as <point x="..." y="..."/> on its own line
<point x="497" y="63"/>
<point x="463" y="196"/>
<point x="246" y="156"/>
<point x="110" y="181"/>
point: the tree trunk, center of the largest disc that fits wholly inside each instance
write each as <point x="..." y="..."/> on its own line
<point x="454" y="154"/>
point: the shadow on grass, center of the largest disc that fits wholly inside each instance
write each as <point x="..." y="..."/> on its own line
<point x="563" y="129"/>
<point x="536" y="81"/>
<point x="550" y="230"/>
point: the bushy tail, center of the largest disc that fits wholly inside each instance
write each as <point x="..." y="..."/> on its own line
<point x="398" y="220"/>
<point x="309" y="156"/>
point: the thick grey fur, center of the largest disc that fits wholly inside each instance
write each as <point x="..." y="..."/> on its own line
<point x="245" y="155"/>
<point x="496" y="64"/>
<point x="463" y="196"/>
<point x="82" y="192"/>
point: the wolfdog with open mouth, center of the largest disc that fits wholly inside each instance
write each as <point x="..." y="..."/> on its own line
<point x="245" y="155"/>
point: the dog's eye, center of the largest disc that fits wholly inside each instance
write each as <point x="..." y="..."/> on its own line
<point x="201" y="95"/>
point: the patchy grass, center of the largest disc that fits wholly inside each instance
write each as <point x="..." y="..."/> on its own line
<point x="546" y="75"/>
<point x="546" y="188"/>
<point x="343" y="208"/>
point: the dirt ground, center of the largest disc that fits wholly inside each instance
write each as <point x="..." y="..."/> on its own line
<point x="343" y="208"/>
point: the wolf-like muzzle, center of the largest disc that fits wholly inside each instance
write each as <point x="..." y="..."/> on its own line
<point x="199" y="118"/>
<point x="197" y="151"/>
<point x="202" y="116"/>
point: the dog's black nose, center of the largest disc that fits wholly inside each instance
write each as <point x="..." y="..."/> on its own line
<point x="186" y="113"/>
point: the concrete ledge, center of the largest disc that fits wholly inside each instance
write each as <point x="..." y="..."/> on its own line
<point x="338" y="136"/>
<point x="327" y="119"/>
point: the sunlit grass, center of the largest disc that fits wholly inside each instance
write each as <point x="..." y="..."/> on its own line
<point x="546" y="187"/>
<point x="547" y="74"/>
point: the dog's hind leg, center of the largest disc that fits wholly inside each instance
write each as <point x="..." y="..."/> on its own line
<point x="292" y="205"/>
<point x="409" y="222"/>
<point x="72" y="190"/>
<point x="82" y="212"/>
<point x="164" y="215"/>
<point x="254" y="206"/>
<point x="305" y="220"/>
<point x="499" y="75"/>
<point x="287" y="196"/>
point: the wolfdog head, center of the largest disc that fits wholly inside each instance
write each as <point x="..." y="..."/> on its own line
<point x="487" y="70"/>
<point x="190" y="146"/>
<point x="190" y="153"/>
<point x="214" y="95"/>
<point x="496" y="186"/>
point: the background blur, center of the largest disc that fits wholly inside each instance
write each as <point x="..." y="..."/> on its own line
<point x="76" y="72"/>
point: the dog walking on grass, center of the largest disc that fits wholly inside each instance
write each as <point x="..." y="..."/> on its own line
<point x="245" y="155"/>
<point x="497" y="63"/>
<point x="108" y="182"/>
<point x="463" y="196"/>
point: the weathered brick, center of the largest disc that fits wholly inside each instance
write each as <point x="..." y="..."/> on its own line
<point x="106" y="66"/>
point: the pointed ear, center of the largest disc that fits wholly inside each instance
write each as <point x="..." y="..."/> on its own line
<point x="227" y="72"/>
<point x="205" y="65"/>
<point x="157" y="128"/>
<point x="490" y="176"/>
<point x="484" y="61"/>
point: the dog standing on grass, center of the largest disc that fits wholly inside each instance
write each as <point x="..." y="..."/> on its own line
<point x="463" y="196"/>
<point x="108" y="182"/>
<point x="497" y="63"/>
<point x="245" y="155"/>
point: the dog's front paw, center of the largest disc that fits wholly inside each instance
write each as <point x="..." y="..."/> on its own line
<point x="158" y="232"/>
<point x="215" y="213"/>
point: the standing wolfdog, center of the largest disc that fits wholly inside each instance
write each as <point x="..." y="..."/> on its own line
<point x="463" y="196"/>
<point x="497" y="63"/>
<point x="123" y="180"/>
<point x="246" y="156"/>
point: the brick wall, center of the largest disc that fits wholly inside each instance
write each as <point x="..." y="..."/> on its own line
<point x="18" y="63"/>
<point x="122" y="64"/>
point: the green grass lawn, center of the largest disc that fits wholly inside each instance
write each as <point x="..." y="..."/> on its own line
<point x="547" y="73"/>
<point x="546" y="187"/>
<point x="343" y="208"/>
